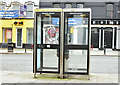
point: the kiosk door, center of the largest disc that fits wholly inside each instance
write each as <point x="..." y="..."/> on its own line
<point x="48" y="32"/>
<point x="76" y="42"/>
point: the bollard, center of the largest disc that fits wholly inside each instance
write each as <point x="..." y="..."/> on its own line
<point x="25" y="48"/>
<point x="92" y="47"/>
<point x="104" y="49"/>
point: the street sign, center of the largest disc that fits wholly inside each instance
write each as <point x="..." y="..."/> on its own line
<point x="71" y="21"/>
<point x="74" y="21"/>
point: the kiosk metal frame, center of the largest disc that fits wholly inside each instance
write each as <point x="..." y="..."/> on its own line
<point x="79" y="47"/>
<point x="43" y="45"/>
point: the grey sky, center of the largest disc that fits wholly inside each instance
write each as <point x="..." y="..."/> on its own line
<point x="21" y="1"/>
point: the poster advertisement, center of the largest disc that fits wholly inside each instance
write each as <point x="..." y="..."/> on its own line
<point x="8" y="34"/>
<point x="51" y="34"/>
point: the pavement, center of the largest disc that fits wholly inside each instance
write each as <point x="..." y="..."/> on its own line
<point x="93" y="52"/>
<point x="28" y="77"/>
<point x="16" y="51"/>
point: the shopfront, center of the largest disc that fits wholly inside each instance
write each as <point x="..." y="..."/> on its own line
<point x="105" y="34"/>
<point x="19" y="32"/>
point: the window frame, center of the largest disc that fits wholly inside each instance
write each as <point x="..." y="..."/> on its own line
<point x="29" y="28"/>
<point x="30" y="11"/>
<point x="80" y="3"/>
<point x="57" y="3"/>
<point x="68" y="3"/>
<point x="3" y="6"/>
<point x="112" y="11"/>
<point x="3" y="35"/>
<point x="18" y="6"/>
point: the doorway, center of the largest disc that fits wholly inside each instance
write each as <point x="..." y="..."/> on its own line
<point x="19" y="38"/>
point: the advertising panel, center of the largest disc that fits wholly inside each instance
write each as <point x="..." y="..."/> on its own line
<point x="8" y="34"/>
<point x="9" y="14"/>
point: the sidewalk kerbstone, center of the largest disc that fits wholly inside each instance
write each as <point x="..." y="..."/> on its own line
<point x="73" y="84"/>
<point x="60" y="81"/>
<point x="89" y="84"/>
<point x="74" y="81"/>
<point x="57" y="83"/>
<point x="43" y="81"/>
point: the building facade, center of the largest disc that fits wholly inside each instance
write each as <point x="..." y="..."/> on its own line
<point x="17" y="23"/>
<point x="105" y="23"/>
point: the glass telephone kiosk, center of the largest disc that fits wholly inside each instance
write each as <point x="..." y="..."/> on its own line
<point x="62" y="41"/>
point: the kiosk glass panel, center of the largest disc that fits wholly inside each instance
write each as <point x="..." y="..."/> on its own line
<point x="77" y="61"/>
<point x="48" y="41"/>
<point x="76" y="42"/>
<point x="76" y="31"/>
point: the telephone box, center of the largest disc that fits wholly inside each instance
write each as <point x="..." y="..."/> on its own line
<point x="62" y="41"/>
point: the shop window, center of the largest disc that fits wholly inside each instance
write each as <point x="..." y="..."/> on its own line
<point x="109" y="10"/>
<point x="30" y="36"/>
<point x="2" y="6"/>
<point x="79" y="5"/>
<point x="95" y="37"/>
<point x="7" y="35"/>
<point x="94" y="30"/>
<point x="29" y="12"/>
<point x="68" y="5"/>
<point x="56" y="5"/>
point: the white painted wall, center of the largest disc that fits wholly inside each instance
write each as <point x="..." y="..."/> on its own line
<point x="118" y="38"/>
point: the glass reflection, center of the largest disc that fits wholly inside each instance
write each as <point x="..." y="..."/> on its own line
<point x="76" y="29"/>
<point x="77" y="61"/>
